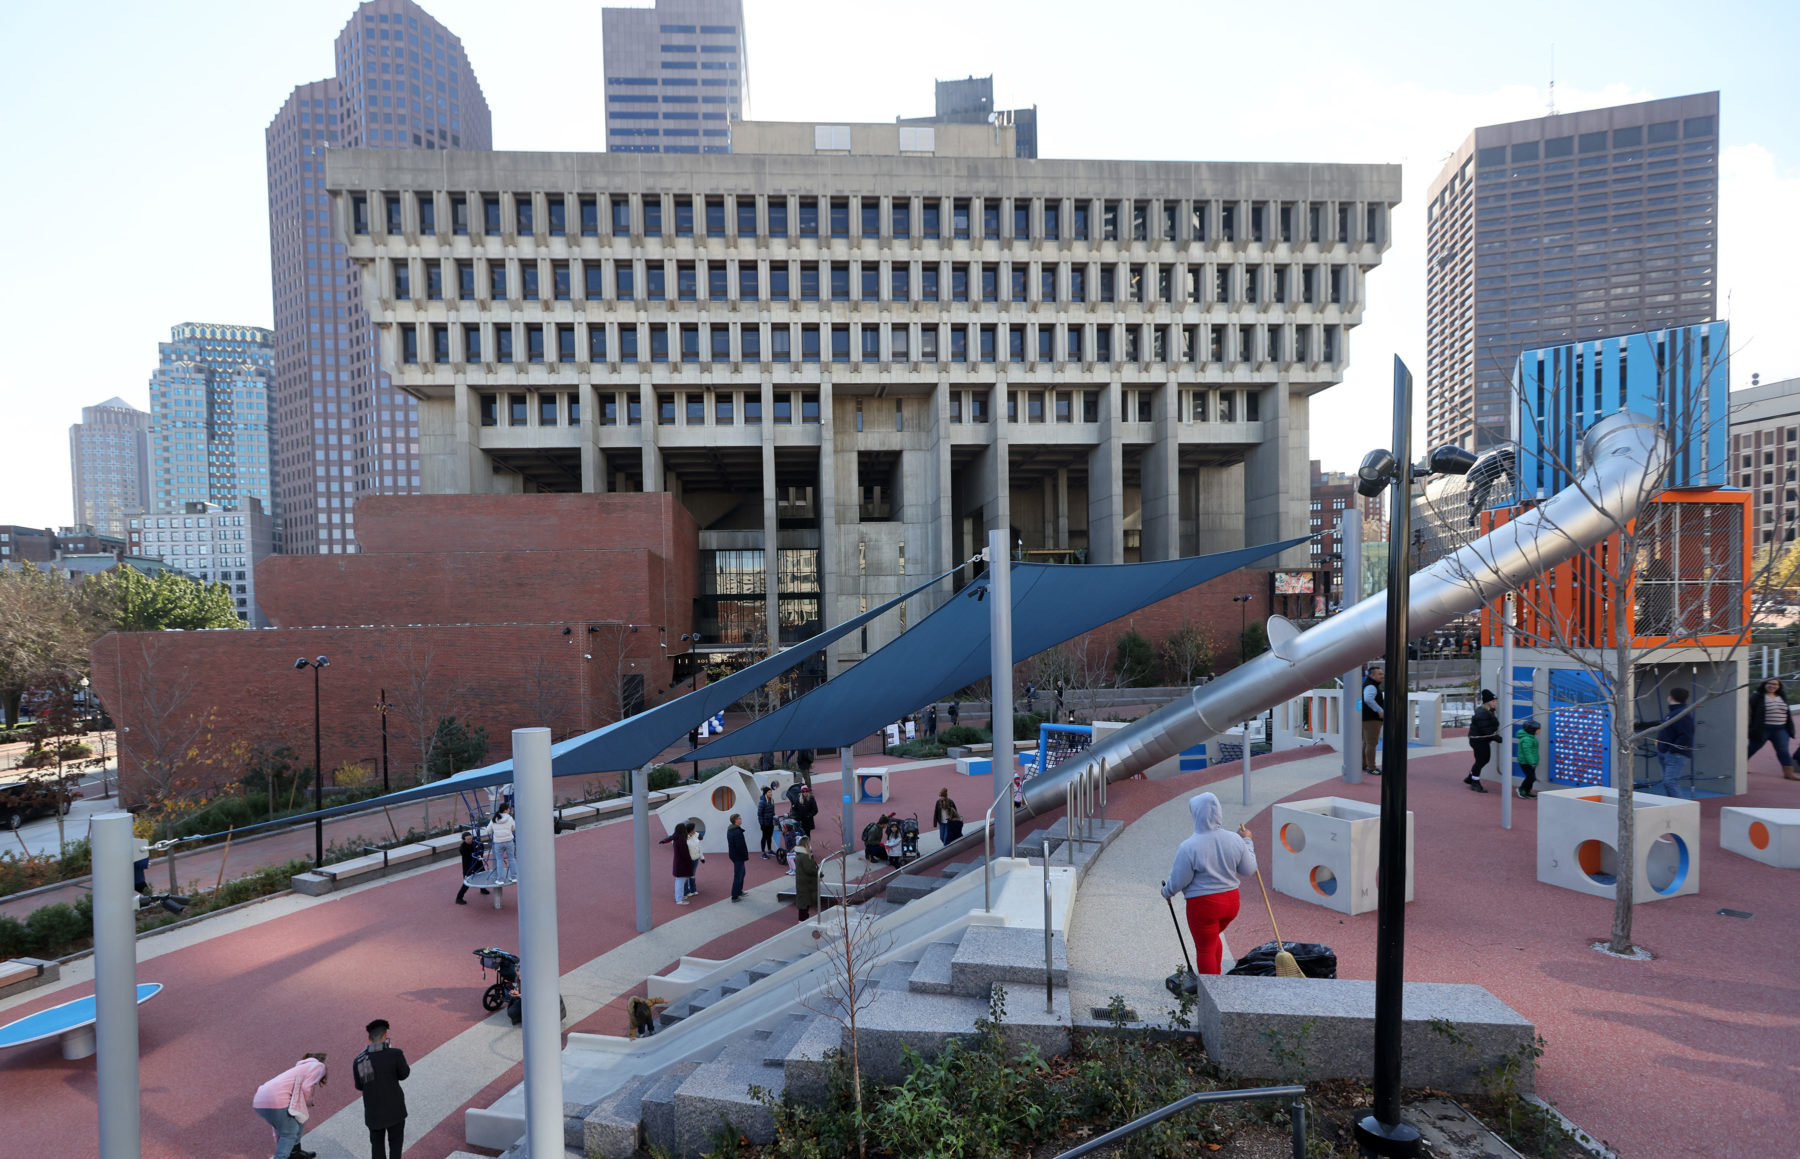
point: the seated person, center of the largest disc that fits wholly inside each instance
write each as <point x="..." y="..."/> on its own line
<point x="874" y="837"/>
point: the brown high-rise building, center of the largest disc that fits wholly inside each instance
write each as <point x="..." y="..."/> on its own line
<point x="1561" y="229"/>
<point x="341" y="431"/>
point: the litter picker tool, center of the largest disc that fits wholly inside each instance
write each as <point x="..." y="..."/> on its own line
<point x="1185" y="982"/>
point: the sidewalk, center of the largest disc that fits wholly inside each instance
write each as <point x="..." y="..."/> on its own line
<point x="1693" y="1054"/>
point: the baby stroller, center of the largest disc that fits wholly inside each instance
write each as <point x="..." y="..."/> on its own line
<point x="909" y="839"/>
<point x="506" y="976"/>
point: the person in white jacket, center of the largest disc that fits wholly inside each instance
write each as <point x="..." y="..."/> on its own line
<point x="506" y="852"/>
<point x="697" y="857"/>
<point x="1207" y="868"/>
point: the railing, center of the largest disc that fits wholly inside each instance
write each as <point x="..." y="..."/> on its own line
<point x="987" y="853"/>
<point x="844" y="897"/>
<point x="1082" y="796"/>
<point x="1296" y="1110"/>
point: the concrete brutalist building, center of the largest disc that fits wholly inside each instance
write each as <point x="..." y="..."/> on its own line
<point x="865" y="351"/>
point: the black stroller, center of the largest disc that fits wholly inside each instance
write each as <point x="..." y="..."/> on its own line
<point x="909" y="839"/>
<point x="503" y="993"/>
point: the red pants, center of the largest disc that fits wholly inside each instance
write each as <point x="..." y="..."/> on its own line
<point x="1208" y="915"/>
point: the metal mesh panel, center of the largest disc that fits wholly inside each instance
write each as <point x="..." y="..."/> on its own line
<point x="1690" y="570"/>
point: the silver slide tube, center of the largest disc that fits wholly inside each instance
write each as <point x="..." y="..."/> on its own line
<point x="1625" y="456"/>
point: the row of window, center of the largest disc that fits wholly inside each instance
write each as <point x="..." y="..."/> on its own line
<point x="568" y="343"/>
<point x="529" y="280"/>
<point x="918" y="218"/>
<point x="724" y="408"/>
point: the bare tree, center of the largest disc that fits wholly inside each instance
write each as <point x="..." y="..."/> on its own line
<point x="609" y="653"/>
<point x="548" y="692"/>
<point x="1188" y="653"/>
<point x="425" y="696"/>
<point x="852" y="949"/>
<point x="1665" y="588"/>
<point x="170" y="737"/>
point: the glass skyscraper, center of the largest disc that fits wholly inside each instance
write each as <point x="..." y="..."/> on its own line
<point x="341" y="431"/>
<point x="1562" y="229"/>
<point x="209" y="416"/>
<point x="676" y="76"/>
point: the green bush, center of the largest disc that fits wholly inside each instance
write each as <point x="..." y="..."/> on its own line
<point x="664" y="777"/>
<point x="962" y="734"/>
<point x="15" y="939"/>
<point x="53" y="927"/>
<point x="1135" y="660"/>
<point x="920" y="749"/>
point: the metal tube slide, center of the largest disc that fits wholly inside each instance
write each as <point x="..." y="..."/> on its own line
<point x="1625" y="456"/>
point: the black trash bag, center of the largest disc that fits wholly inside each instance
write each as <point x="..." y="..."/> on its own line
<point x="1314" y="960"/>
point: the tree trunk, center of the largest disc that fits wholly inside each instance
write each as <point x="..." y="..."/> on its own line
<point x="1624" y="728"/>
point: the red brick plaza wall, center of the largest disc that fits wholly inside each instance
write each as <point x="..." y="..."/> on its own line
<point x="458" y="606"/>
<point x="1208" y="607"/>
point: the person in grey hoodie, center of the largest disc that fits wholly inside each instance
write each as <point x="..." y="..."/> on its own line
<point x="1207" y="868"/>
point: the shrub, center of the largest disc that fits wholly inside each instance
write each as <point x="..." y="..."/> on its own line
<point x="1135" y="660"/>
<point x="664" y="777"/>
<point x="962" y="734"/>
<point x="15" y="939"/>
<point x="53" y="927"/>
<point x="922" y="748"/>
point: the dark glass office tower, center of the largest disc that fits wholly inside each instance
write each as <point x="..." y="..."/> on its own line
<point x="1560" y="229"/>
<point x="341" y="431"/>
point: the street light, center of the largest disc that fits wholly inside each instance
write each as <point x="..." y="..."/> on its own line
<point x="1243" y="603"/>
<point x="1384" y="1133"/>
<point x="318" y="763"/>
<point x="382" y="706"/>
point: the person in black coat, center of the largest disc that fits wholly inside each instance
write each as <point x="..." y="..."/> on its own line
<point x="738" y="850"/>
<point x="1484" y="730"/>
<point x="471" y="865"/>
<point x="765" y="819"/>
<point x="379" y="1070"/>
<point x="806" y="811"/>
<point x="1772" y="722"/>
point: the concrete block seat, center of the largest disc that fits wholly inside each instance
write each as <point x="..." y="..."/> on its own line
<point x="1578" y="833"/>
<point x="1771" y="836"/>
<point x="1327" y="851"/>
<point x="1259" y="1027"/>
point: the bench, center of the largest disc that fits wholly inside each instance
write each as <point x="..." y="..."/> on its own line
<point x="1771" y="836"/>
<point x="72" y="1022"/>
<point x="1325" y="1028"/>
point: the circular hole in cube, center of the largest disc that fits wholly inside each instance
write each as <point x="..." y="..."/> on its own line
<point x="871" y="786"/>
<point x="1759" y="835"/>
<point x="724" y="799"/>
<point x="1666" y="864"/>
<point x="1599" y="861"/>
<point x="1293" y="838"/>
<point x="699" y="827"/>
<point x="1323" y="880"/>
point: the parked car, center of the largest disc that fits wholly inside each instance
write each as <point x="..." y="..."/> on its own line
<point x="24" y="797"/>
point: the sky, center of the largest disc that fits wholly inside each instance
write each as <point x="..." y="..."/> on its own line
<point x="134" y="185"/>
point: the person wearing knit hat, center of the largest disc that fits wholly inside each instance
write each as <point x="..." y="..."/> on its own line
<point x="1484" y="730"/>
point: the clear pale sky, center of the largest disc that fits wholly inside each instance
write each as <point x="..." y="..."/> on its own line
<point x="134" y="194"/>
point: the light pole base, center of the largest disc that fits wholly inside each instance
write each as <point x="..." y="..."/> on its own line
<point x="1388" y="1140"/>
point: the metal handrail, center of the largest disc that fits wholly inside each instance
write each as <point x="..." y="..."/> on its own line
<point x="843" y="898"/>
<point x="1296" y="1110"/>
<point x="987" y="854"/>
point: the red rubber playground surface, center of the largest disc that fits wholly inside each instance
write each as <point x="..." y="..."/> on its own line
<point x="1694" y="1054"/>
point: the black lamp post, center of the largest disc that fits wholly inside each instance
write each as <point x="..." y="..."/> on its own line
<point x="1243" y="603"/>
<point x="1384" y="1133"/>
<point x="318" y="763"/>
<point x="382" y="706"/>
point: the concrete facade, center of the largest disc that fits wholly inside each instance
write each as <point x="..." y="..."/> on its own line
<point x="341" y="432"/>
<point x="109" y="464"/>
<point x="212" y="543"/>
<point x="1562" y="229"/>
<point x="869" y="363"/>
<point x="677" y="76"/>
<point x="1765" y="455"/>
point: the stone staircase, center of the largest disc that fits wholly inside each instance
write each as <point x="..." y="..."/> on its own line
<point x="922" y="1003"/>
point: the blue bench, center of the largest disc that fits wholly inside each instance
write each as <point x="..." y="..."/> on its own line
<point x="73" y="1022"/>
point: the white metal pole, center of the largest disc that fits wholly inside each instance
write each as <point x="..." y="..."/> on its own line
<point x="1000" y="662"/>
<point x="539" y="970"/>
<point x="1507" y="691"/>
<point x="847" y="781"/>
<point x="115" y="986"/>
<point x="1350" y="715"/>
<point x="640" y="844"/>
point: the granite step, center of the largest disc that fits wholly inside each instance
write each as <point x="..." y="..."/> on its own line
<point x="932" y="974"/>
<point x="912" y="886"/>
<point x="614" y="1128"/>
<point x="782" y="1038"/>
<point x="807" y="1066"/>
<point x="773" y="966"/>
<point x="726" y="1091"/>
<point x="736" y="982"/>
<point x="1011" y="956"/>
<point x="893" y="975"/>
<point x="658" y="1104"/>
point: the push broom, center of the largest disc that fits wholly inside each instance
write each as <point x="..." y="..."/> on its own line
<point x="1285" y="966"/>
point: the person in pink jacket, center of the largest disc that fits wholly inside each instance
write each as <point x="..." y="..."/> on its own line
<point x="284" y="1101"/>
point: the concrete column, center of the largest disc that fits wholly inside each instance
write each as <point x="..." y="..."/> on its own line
<point x="939" y="491"/>
<point x="1219" y="508"/>
<point x="1106" y="484"/>
<point x="1049" y="515"/>
<point x="593" y="459"/>
<point x="1062" y="508"/>
<point x="1160" y="486"/>
<point x="1277" y="483"/>
<point x="451" y="462"/>
<point x="829" y="469"/>
<point x="993" y="482"/>
<point x="771" y="522"/>
<point x="652" y="454"/>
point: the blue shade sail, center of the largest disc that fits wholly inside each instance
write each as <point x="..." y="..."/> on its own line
<point x="948" y="649"/>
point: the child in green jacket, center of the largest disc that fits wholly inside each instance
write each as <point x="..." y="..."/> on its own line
<point x="1527" y="756"/>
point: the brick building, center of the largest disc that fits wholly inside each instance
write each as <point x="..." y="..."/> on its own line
<point x="525" y="620"/>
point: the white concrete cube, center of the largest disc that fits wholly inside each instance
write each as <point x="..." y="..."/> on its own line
<point x="1771" y="836"/>
<point x="1327" y="851"/>
<point x="872" y="786"/>
<point x="1577" y="843"/>
<point x="974" y="766"/>
<point x="711" y="804"/>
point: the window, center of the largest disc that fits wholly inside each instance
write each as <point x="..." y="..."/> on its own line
<point x="1046" y="343"/>
<point x="870" y="279"/>
<point x="653" y="217"/>
<point x="928" y="344"/>
<point x="1021" y="218"/>
<point x="490" y="214"/>
<point x="722" y="408"/>
<point x="840" y="343"/>
<point x="1078" y="283"/>
<point x="959" y="283"/>
<point x="625" y="287"/>
<point x="902" y="217"/>
<point x="809" y="345"/>
<point x="490" y="410"/>
<point x="517" y="410"/>
<point x="547" y="410"/>
<point x="784" y="407"/>
<point x="809" y="217"/>
<point x="565" y="342"/>
<point x="665" y="410"/>
<point x="715" y="217"/>
<point x="978" y="406"/>
<point x="897" y="348"/>
<point x="781" y="340"/>
<point x="840" y="217"/>
<point x="871" y="216"/>
<point x="1015" y="344"/>
<point x="656" y="281"/>
<point x="534" y="342"/>
<point x="930" y="223"/>
<point x="409" y="344"/>
<point x="471" y="343"/>
<point x="778" y="217"/>
<point x="928" y="283"/>
<point x="752" y="409"/>
<point x="717" y="289"/>
<point x="840" y="281"/>
<point x="596" y="343"/>
<point x="497" y="281"/>
<point x="959" y="344"/>
<point x="522" y="213"/>
<point x="1052" y="215"/>
<point x="402" y="281"/>
<point x="574" y="410"/>
<point x="621" y="216"/>
<point x="427" y="213"/>
<point x="809" y="282"/>
<point x="590" y="217"/>
<point x="809" y="408"/>
<point x="779" y="288"/>
<point x="628" y="344"/>
<point x="503" y="344"/>
<point x="1016" y="291"/>
<point x="871" y="344"/>
<point x="1140" y="226"/>
<point x="687" y="282"/>
<point x="1079" y="223"/>
<point x="558" y="210"/>
<point x="440" y="343"/>
<point x="746" y="215"/>
<point x="1047" y="284"/>
<point x="684" y="217"/>
<point x="659" y="343"/>
<point x="990" y="283"/>
<point x="900" y="290"/>
<point x="750" y="343"/>
<point x="459" y="215"/>
<point x="1074" y="344"/>
<point x="695" y="407"/>
<point x="528" y="280"/>
<point x="747" y="289"/>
